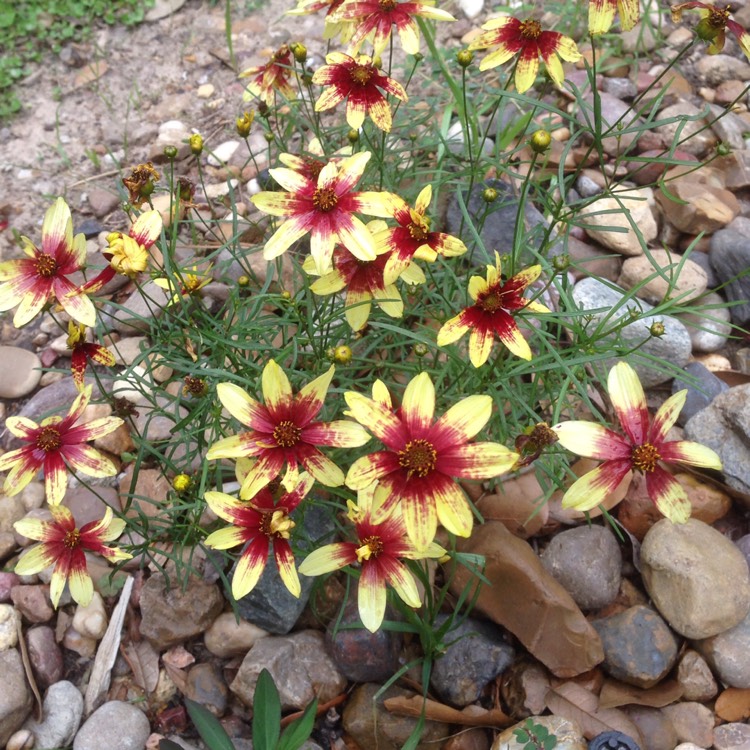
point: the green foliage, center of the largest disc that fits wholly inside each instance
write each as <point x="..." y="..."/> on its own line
<point x="536" y="736"/>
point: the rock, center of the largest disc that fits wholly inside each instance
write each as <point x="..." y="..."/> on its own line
<point x="477" y="654"/>
<point x="91" y="621"/>
<point x="61" y="717"/>
<point x="103" y="202"/>
<point x="230" y="266"/>
<point x="568" y="733"/>
<point x="716" y="69"/>
<point x="23" y="739"/>
<point x="7" y="582"/>
<point x="588" y="563"/>
<point x="612" y="112"/>
<point x="620" y="88"/>
<point x="471" y="8"/>
<point x="115" y="725"/>
<point x="171" y="615"/>
<point x="362" y="656"/>
<point x="727" y="652"/>
<point x="709" y="503"/>
<point x="20" y="372"/>
<point x="138" y="311"/>
<point x="696" y="577"/>
<point x="89" y="504"/>
<point x="730" y="258"/>
<point x="673" y="346"/>
<point x="723" y="426"/>
<point x="7" y="546"/>
<point x="148" y="497"/>
<point x="728" y="127"/>
<point x="616" y="222"/>
<point x="45" y="655"/>
<point x="693" y="722"/>
<point x="205" y="685"/>
<point x="702" y="388"/>
<point x="656" y="730"/>
<point x="32" y="601"/>
<point x="704" y="261"/>
<point x="529" y="602"/>
<point x="694" y="136"/>
<point x="639" y="648"/>
<point x="733" y="736"/>
<point x="226" y="637"/>
<point x="15" y="697"/>
<point x="737" y="174"/>
<point x="661" y="275"/>
<point x="372" y="726"/>
<point x="222" y="153"/>
<point x="300" y="666"/>
<point x="9" y="622"/>
<point x="11" y="510"/>
<point x="162" y="9"/>
<point x="206" y="91"/>
<point x="695" y="678"/>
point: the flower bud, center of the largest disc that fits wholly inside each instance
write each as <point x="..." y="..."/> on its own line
<point x="181" y="483"/>
<point x="540" y="141"/>
<point x="196" y="144"/>
<point x="268" y="135"/>
<point x="657" y="329"/>
<point x="420" y="349"/>
<point x="723" y="149"/>
<point x="243" y="281"/>
<point x="418" y="56"/>
<point x="464" y="57"/>
<point x="353" y="136"/>
<point x="561" y="262"/>
<point x="244" y="124"/>
<point x="342" y="354"/>
<point x="489" y="195"/>
<point x="170" y="152"/>
<point x="299" y="51"/>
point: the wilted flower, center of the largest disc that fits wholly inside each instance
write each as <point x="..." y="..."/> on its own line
<point x="272" y="77"/>
<point x="244" y="124"/>
<point x="189" y="283"/>
<point x="83" y="351"/>
<point x="713" y="25"/>
<point x="140" y="183"/>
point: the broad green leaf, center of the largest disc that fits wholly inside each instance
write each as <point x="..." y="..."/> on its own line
<point x="208" y="726"/>
<point x="299" y="730"/>
<point x="266" y="713"/>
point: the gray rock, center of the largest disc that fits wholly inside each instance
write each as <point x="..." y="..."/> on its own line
<point x="15" y="697"/>
<point x="102" y="202"/>
<point x="710" y="328"/>
<point x="732" y="736"/>
<point x="9" y="622"/>
<point x="45" y="655"/>
<point x="723" y="425"/>
<point x="730" y="257"/>
<point x="587" y="561"/>
<point x="716" y="69"/>
<point x="138" y="311"/>
<point x="115" y="725"/>
<point x="728" y="127"/>
<point x="696" y="577"/>
<point x="673" y="347"/>
<point x="620" y="88"/>
<point x="205" y="685"/>
<point x="655" y="728"/>
<point x="20" y="371"/>
<point x="704" y="261"/>
<point x="727" y="653"/>
<point x="476" y="653"/>
<point x="639" y="648"/>
<point x="695" y="678"/>
<point x="702" y="388"/>
<point x="62" y="712"/>
<point x="613" y="113"/>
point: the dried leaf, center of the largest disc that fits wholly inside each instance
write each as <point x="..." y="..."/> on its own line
<point x="29" y="671"/>
<point x="732" y="377"/>
<point x="471" y="716"/>
<point x="178" y="657"/>
<point x="177" y="676"/>
<point x="574" y="702"/>
<point x="615" y="693"/>
<point x="733" y="704"/>
<point x="144" y="662"/>
<point x="90" y="73"/>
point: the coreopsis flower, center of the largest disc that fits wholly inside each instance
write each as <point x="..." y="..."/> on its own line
<point x="272" y="77"/>
<point x="83" y="351"/>
<point x="643" y="448"/>
<point x="140" y="183"/>
<point x="364" y="282"/>
<point x="332" y="28"/>
<point x="529" y="42"/>
<point x="64" y="546"/>
<point x="359" y="82"/>
<point x="496" y="301"/>
<point x="377" y="17"/>
<point x="713" y="26"/>
<point x="264" y="526"/>
<point x="311" y="163"/>
<point x="423" y="455"/>
<point x="381" y="545"/>
<point x="30" y="283"/>
<point x="190" y="283"/>
<point x="283" y="431"/>
<point x="412" y="237"/>
<point x="602" y="14"/>
<point x="325" y="208"/>
<point x="53" y="444"/>
<point x="128" y="253"/>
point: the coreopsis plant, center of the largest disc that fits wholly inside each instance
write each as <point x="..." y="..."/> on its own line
<point x="64" y="546"/>
<point x="325" y="209"/>
<point x="422" y="455"/>
<point x="412" y="237"/>
<point x="274" y="76"/>
<point x="83" y="351"/>
<point x="492" y="315"/>
<point x="140" y="183"/>
<point x="32" y="282"/>
<point x="644" y="447"/>
<point x="526" y="39"/>
<point x="264" y="525"/>
<point x="191" y="281"/>
<point x="283" y="432"/>
<point x="602" y="14"/>
<point x="713" y="26"/>
<point x="54" y="445"/>
<point x="360" y="82"/>
<point x="380" y="547"/>
<point x="332" y="28"/>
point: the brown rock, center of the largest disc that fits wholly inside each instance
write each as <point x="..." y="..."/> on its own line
<point x="45" y="655"/>
<point x="88" y="505"/>
<point x="15" y="697"/>
<point x="737" y="170"/>
<point x="656" y="729"/>
<point x="147" y="497"/>
<point x="637" y="512"/>
<point x="32" y="602"/>
<point x="709" y="503"/>
<point x="729" y="91"/>
<point x="648" y="172"/>
<point x="528" y="601"/>
<point x="695" y="137"/>
<point x="588" y="260"/>
<point x="693" y="722"/>
<point x="662" y="274"/>
<point x="695" y="677"/>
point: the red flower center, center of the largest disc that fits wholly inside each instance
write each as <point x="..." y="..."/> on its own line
<point x="418" y="232"/>
<point x="418" y="457"/>
<point x="325" y="199"/>
<point x="361" y="74"/>
<point x="491" y="302"/>
<point x="286" y="434"/>
<point x="374" y="546"/>
<point x="72" y="539"/>
<point x="46" y="265"/>
<point x="530" y="29"/>
<point x="313" y="166"/>
<point x="387" y="5"/>
<point x="276" y="524"/>
<point x="48" y="439"/>
<point x="644" y="457"/>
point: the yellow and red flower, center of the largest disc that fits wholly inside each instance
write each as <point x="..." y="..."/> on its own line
<point x="377" y="17"/>
<point x="264" y="526"/>
<point x="283" y="431"/>
<point x="364" y="282"/>
<point x="64" y="546"/>
<point x="272" y="77"/>
<point x="412" y="238"/>
<point x="381" y="545"/>
<point x="325" y="209"/>
<point x="423" y="455"/>
<point x="643" y="448"/>
<point x="527" y="40"/>
<point x="360" y="83"/>
<point x="331" y="28"/>
<point x="602" y="14"/>
<point x="83" y="351"/>
<point x="32" y="282"/>
<point x="190" y="282"/>
<point x="495" y="303"/>
<point x="713" y="26"/>
<point x="53" y="444"/>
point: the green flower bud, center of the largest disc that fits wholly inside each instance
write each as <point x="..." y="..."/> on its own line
<point x="464" y="57"/>
<point x="540" y="141"/>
